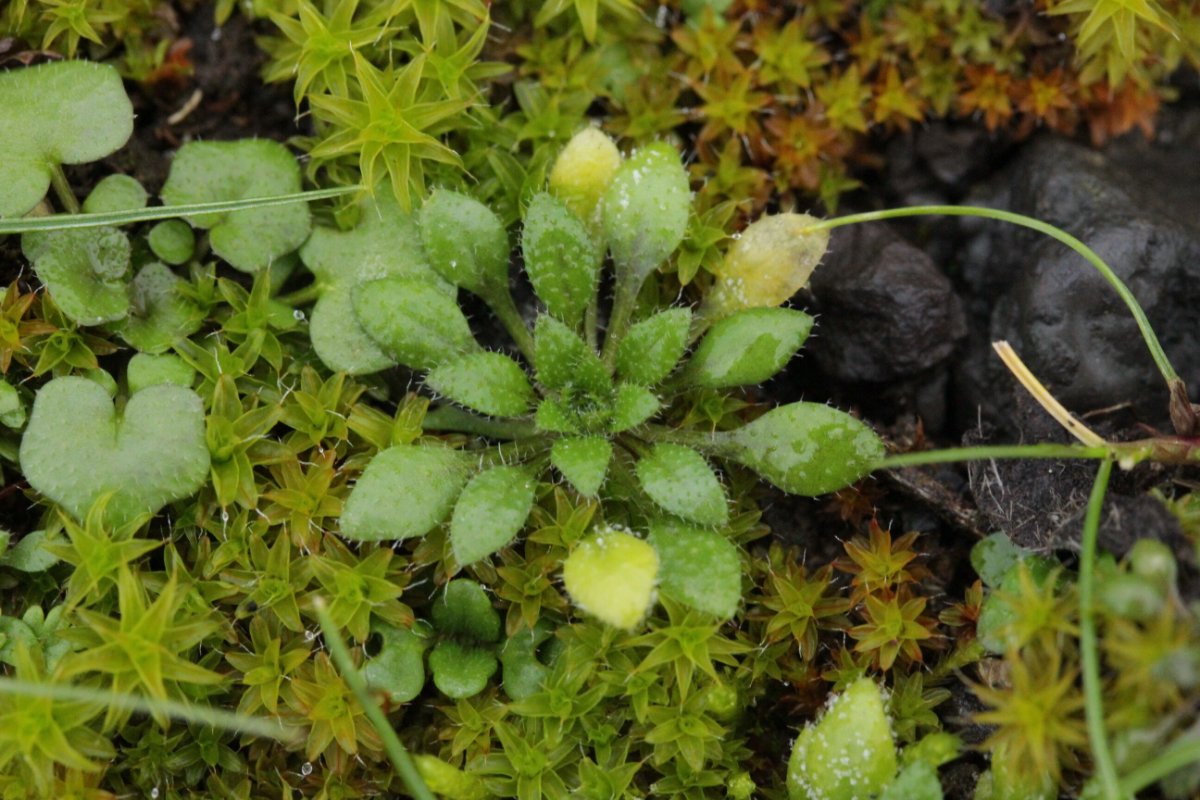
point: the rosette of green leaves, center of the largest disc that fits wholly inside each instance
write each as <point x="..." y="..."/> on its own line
<point x="569" y="402"/>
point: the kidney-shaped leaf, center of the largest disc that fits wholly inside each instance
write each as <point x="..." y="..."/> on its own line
<point x="77" y="448"/>
<point x="250" y="239"/>
<point x="159" y="313"/>
<point x="464" y="611"/>
<point x="404" y="491"/>
<point x="490" y="512"/>
<point x="399" y="667"/>
<point x="63" y="112"/>
<point x="805" y="448"/>
<point x="84" y="269"/>
<point x="460" y="670"/>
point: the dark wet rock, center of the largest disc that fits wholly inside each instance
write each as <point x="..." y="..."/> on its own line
<point x="885" y="309"/>
<point x="1136" y="205"/>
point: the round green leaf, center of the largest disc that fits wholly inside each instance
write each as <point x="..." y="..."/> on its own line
<point x="12" y="409"/>
<point x="561" y="259"/>
<point x="405" y="491"/>
<point x="413" y="321"/>
<point x="465" y="241"/>
<point x="654" y="346"/>
<point x="848" y="754"/>
<point x="699" y="568"/>
<point x="804" y="448"/>
<point x="993" y="556"/>
<point x="145" y="371"/>
<point x="612" y="576"/>
<point x="115" y="193"/>
<point x="748" y="347"/>
<point x="464" y="611"/>
<point x="172" y="240"/>
<point x="490" y="512"/>
<point x="250" y="239"/>
<point x="680" y="481"/>
<point x="459" y="670"/>
<point x="77" y="448"/>
<point x="646" y="210"/>
<point x="490" y="383"/>
<point x="583" y="461"/>
<point x="61" y="112"/>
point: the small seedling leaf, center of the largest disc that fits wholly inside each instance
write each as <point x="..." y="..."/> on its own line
<point x="917" y="781"/>
<point x="172" y="240"/>
<point x="77" y="448"/>
<point x="459" y="670"/>
<point x="748" y="347"/>
<point x="115" y="193"/>
<point x="522" y="672"/>
<point x="612" y="575"/>
<point x="848" y="754"/>
<point x="993" y="556"/>
<point x="805" y="448"/>
<point x="40" y="105"/>
<point x="465" y="241"/>
<point x="84" y="270"/>
<point x="405" y="491"/>
<point x="490" y="383"/>
<point x="413" y="321"/>
<point x="398" y="669"/>
<point x="146" y="370"/>
<point x="699" y="568"/>
<point x="561" y="259"/>
<point x="490" y="512"/>
<point x="464" y="611"/>
<point x="583" y="461"/>
<point x="250" y="239"/>
<point x="654" y="346"/>
<point x="160" y="315"/>
<point x="646" y="210"/>
<point x="681" y="482"/>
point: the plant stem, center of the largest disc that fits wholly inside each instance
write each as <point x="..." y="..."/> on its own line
<point x="302" y="297"/>
<point x="1088" y="654"/>
<point x="1139" y="316"/>
<point x="1175" y="756"/>
<point x="391" y="742"/>
<point x="452" y="418"/>
<point x="591" y="321"/>
<point x="701" y="440"/>
<point x="502" y="305"/>
<point x="59" y="222"/>
<point x="62" y="190"/>
<point x="624" y="301"/>
<point x="986" y="452"/>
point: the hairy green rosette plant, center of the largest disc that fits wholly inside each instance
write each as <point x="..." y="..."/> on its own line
<point x="590" y="407"/>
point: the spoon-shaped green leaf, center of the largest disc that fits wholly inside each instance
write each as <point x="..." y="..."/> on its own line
<point x="681" y="482"/>
<point x="63" y="112"/>
<point x="804" y="448"/>
<point x="404" y="491"/>
<point x="250" y="239"/>
<point x="385" y="243"/>
<point x="413" y="321"/>
<point x="490" y="512"/>
<point x="465" y="241"/>
<point x="646" y="211"/>
<point x="564" y="360"/>
<point x="490" y="383"/>
<point x="77" y="447"/>
<point x="748" y="347"/>
<point x="654" y="346"/>
<point x="699" y="568"/>
<point x="562" y="261"/>
<point x="583" y="461"/>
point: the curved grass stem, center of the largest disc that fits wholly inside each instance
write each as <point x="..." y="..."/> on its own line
<point x="392" y="745"/>
<point x="1156" y="351"/>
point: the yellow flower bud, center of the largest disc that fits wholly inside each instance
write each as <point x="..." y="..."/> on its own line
<point x="768" y="264"/>
<point x="612" y="576"/>
<point x="583" y="171"/>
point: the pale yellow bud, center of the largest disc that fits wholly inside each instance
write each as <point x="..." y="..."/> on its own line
<point x="612" y="576"/>
<point x="769" y="263"/>
<point x="583" y="171"/>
